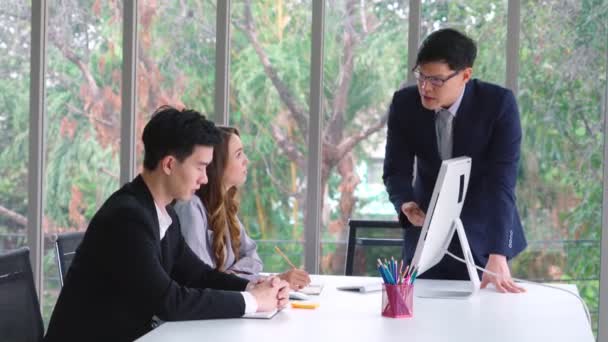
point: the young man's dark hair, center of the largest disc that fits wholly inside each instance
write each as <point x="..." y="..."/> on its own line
<point x="448" y="46"/>
<point x="174" y="132"/>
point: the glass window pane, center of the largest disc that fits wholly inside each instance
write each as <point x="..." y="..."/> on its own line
<point x="562" y="85"/>
<point x="83" y="115"/>
<point x="484" y="21"/>
<point x="15" y="31"/>
<point x="269" y="87"/>
<point x="176" y="64"/>
<point x="365" y="63"/>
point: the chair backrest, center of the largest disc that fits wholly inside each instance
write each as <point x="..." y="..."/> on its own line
<point x="375" y="239"/>
<point x="65" y="248"/>
<point x="20" y="318"/>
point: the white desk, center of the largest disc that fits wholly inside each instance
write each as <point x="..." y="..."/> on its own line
<point x="541" y="314"/>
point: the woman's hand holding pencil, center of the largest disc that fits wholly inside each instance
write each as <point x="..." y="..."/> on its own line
<point x="296" y="277"/>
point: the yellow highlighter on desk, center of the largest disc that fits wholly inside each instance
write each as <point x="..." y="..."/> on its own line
<point x="304" y="305"/>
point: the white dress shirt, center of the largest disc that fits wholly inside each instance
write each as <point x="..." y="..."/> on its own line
<point x="454" y="107"/>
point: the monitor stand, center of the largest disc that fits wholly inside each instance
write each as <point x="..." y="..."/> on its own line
<point x="472" y="287"/>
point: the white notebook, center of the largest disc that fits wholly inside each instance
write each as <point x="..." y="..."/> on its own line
<point x="293" y="295"/>
<point x="312" y="289"/>
<point x="262" y="314"/>
<point x="363" y="288"/>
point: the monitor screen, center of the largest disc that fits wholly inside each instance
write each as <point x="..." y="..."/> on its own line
<point x="443" y="212"/>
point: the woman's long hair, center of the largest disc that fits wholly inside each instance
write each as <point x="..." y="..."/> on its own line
<point x="222" y="206"/>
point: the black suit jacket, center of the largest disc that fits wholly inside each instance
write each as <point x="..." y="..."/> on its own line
<point x="487" y="129"/>
<point x="123" y="274"/>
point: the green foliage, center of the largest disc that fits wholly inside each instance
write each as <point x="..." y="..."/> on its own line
<point x="268" y="200"/>
<point x="13" y="144"/>
<point x="562" y="82"/>
<point x="484" y="21"/>
<point x="190" y="58"/>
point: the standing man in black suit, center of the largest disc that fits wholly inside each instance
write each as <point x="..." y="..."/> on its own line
<point x="133" y="266"/>
<point x="446" y="115"/>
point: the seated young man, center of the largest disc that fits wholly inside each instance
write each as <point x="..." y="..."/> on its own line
<point x="133" y="265"/>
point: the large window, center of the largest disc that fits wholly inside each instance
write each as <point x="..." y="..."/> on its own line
<point x="365" y="63"/>
<point x="176" y="62"/>
<point x="15" y="30"/>
<point x="562" y="88"/>
<point x="561" y="96"/>
<point x="484" y="21"/>
<point x="83" y="114"/>
<point x="269" y="84"/>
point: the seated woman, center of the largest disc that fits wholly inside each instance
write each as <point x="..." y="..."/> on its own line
<point x="209" y="220"/>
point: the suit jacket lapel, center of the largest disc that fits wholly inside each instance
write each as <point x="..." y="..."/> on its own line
<point x="143" y="194"/>
<point x="430" y="118"/>
<point x="462" y="123"/>
<point x="427" y="130"/>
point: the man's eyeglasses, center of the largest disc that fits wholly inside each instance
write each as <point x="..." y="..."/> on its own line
<point x="433" y="80"/>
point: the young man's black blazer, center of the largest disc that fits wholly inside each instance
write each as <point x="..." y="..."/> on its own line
<point x="123" y="275"/>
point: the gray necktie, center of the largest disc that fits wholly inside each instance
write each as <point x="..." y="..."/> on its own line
<point x="443" y="128"/>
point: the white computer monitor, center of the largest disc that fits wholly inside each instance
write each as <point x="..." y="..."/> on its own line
<point x="442" y="220"/>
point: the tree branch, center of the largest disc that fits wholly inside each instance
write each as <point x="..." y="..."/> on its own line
<point x="350" y="142"/>
<point x="362" y="16"/>
<point x="72" y="57"/>
<point x="296" y="110"/>
<point x="13" y="216"/>
<point x="335" y="127"/>
<point x="348" y="184"/>
<point x="109" y="173"/>
<point x="288" y="146"/>
<point x="77" y="111"/>
<point x="278" y="184"/>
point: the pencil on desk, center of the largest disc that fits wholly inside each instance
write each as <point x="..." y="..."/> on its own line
<point x="278" y="250"/>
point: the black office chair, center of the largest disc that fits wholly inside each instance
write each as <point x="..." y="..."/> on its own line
<point x="369" y="240"/>
<point x="65" y="248"/>
<point x="20" y="318"/>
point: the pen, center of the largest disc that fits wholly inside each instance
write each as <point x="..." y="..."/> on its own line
<point x="413" y="277"/>
<point x="381" y="271"/>
<point x="404" y="276"/>
<point x="391" y="280"/>
<point x="396" y="269"/>
<point x="278" y="250"/>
